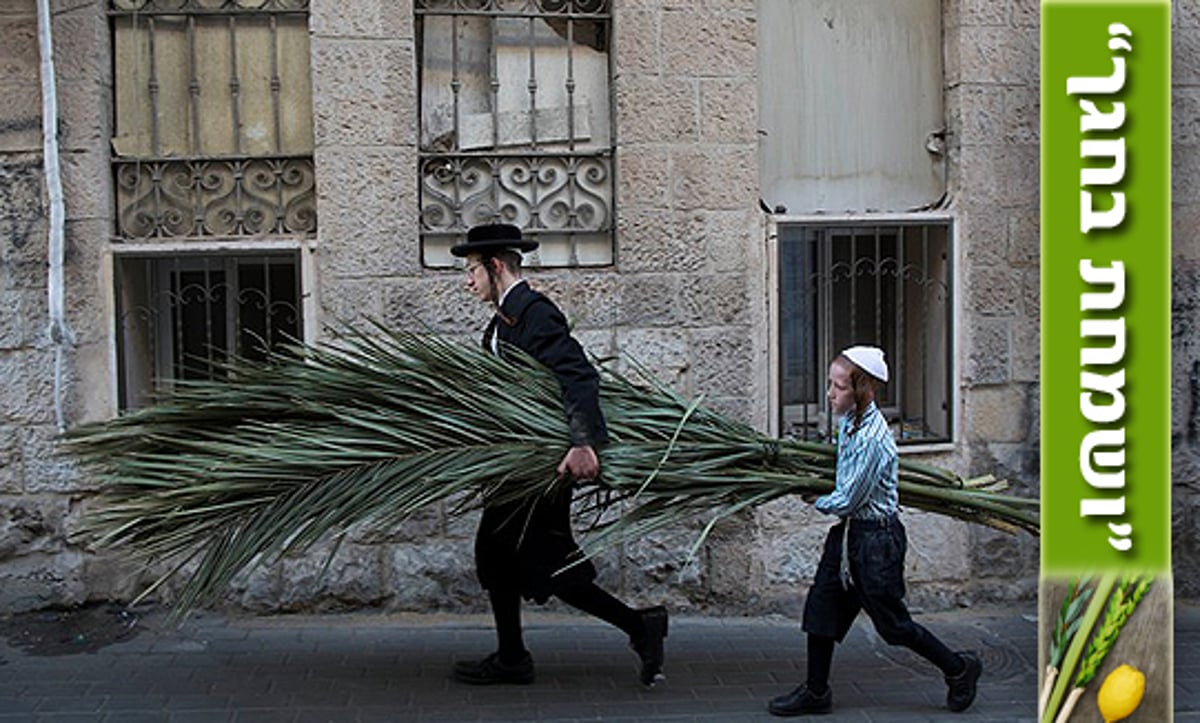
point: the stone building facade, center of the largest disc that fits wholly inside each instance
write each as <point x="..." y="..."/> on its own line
<point x="691" y="289"/>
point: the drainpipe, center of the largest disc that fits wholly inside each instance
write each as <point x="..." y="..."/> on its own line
<point x="60" y="335"/>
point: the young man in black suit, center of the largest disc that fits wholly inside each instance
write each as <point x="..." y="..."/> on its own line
<point x="521" y="545"/>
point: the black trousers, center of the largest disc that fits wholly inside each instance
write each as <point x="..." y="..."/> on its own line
<point x="528" y="546"/>
<point x="876" y="553"/>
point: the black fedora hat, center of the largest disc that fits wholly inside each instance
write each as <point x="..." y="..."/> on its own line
<point x="493" y="238"/>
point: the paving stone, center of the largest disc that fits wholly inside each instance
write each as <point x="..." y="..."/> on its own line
<point x="372" y="667"/>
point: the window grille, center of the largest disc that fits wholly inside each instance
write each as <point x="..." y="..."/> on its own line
<point x="182" y="317"/>
<point x="213" y="118"/>
<point x="886" y="285"/>
<point x="516" y="125"/>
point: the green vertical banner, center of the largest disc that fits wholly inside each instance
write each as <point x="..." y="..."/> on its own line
<point x="1106" y="284"/>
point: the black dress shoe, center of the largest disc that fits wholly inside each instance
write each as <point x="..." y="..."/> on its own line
<point x="492" y="671"/>
<point x="961" y="688"/>
<point x="802" y="701"/>
<point x="649" y="647"/>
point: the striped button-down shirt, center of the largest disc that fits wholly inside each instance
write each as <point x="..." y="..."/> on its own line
<point x="867" y="465"/>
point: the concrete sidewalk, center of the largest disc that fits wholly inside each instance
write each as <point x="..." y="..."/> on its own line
<point x="376" y="667"/>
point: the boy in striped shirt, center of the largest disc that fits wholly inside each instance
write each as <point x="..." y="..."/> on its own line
<point x="862" y="566"/>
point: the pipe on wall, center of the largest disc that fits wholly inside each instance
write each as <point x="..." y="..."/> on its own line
<point x="59" y="333"/>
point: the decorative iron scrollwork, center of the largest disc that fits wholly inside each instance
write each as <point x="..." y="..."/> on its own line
<point x="550" y="193"/>
<point x="534" y="8"/>
<point x="201" y="198"/>
<point x="121" y="7"/>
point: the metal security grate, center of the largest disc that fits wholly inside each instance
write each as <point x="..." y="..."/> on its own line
<point x="884" y="285"/>
<point x="516" y="124"/>
<point x="182" y="317"/>
<point x="213" y="107"/>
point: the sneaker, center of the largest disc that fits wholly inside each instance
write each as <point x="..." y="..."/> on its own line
<point x="802" y="701"/>
<point x="960" y="691"/>
<point x="649" y="647"/>
<point x="492" y="671"/>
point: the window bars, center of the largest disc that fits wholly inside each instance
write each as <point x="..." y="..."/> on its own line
<point x="887" y="285"/>
<point x="182" y="317"/>
<point x="213" y="119"/>
<point x="515" y="124"/>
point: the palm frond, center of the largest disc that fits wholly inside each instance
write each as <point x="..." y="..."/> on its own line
<point x="371" y="429"/>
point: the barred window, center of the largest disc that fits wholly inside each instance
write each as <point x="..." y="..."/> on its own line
<point x="887" y="285"/>
<point x="214" y="184"/>
<point x="213" y="116"/>
<point x="516" y="125"/>
<point x="181" y="317"/>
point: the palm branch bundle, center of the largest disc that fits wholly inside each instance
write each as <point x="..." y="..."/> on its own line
<point x="373" y="428"/>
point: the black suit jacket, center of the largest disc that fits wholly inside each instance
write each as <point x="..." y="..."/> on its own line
<point x="522" y="544"/>
<point x="533" y="323"/>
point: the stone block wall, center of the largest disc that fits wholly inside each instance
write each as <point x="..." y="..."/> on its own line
<point x="40" y="563"/>
<point x="687" y="296"/>
<point x="1185" y="298"/>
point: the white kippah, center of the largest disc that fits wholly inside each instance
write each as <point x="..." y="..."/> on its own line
<point x="869" y="359"/>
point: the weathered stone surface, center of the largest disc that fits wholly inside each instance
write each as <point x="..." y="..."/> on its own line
<point x="84" y="114"/>
<point x="439" y="302"/>
<point x="347" y="300"/>
<point x="654" y="109"/>
<point x="41" y="580"/>
<point x="638" y="43"/>
<point x="1026" y="349"/>
<point x="19" y="56"/>
<point x="1185" y="116"/>
<point x="989" y="351"/>
<point x="375" y="237"/>
<point x="1026" y="13"/>
<point x="975" y="12"/>
<point x="83" y="197"/>
<point x="714" y="178"/>
<point x="1184" y="166"/>
<point x="974" y="113"/>
<point x="1022" y="115"/>
<point x="12" y="474"/>
<point x="1184" y="14"/>
<point x="352" y="578"/>
<point x="935" y="548"/>
<point x="709" y="44"/>
<point x="370" y="19"/>
<point x="994" y="290"/>
<point x="661" y="352"/>
<point x="46" y="468"/>
<point x="27" y="394"/>
<point x="424" y="525"/>
<point x="589" y="301"/>
<point x="656" y="240"/>
<point x="114" y="575"/>
<point x="733" y="238"/>
<point x="650" y="300"/>
<point x="1024" y="238"/>
<point x="990" y="55"/>
<point x="997" y="414"/>
<point x="21" y="116"/>
<point x="433" y="576"/>
<point x="728" y="111"/>
<point x="714" y="300"/>
<point x="645" y="173"/>
<point x="657" y="568"/>
<point x="31" y="524"/>
<point x="1031" y="293"/>
<point x="24" y="322"/>
<point x="22" y="221"/>
<point x="722" y="361"/>
<point x="363" y="92"/>
<point x="259" y="589"/>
